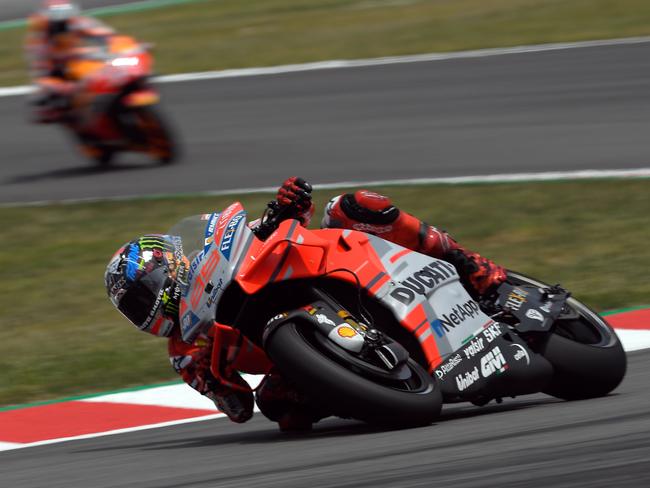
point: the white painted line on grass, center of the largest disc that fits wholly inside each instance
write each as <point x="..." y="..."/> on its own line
<point x="595" y="174"/>
<point x="359" y="63"/>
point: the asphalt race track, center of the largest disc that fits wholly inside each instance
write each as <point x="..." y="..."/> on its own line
<point x="585" y="108"/>
<point x="532" y="441"/>
<point x="575" y="109"/>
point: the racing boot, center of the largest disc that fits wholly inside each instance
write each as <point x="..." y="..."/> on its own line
<point x="281" y="402"/>
<point x="235" y="403"/>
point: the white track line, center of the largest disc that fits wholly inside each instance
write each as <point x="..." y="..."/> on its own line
<point x="13" y="91"/>
<point x="415" y="58"/>
<point x="179" y="395"/>
<point x="634" y="340"/>
<point x="358" y="63"/>
<point x="595" y="174"/>
<point x="7" y="446"/>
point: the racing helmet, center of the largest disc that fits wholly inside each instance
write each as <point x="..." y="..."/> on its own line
<point x="58" y="14"/>
<point x="144" y="280"/>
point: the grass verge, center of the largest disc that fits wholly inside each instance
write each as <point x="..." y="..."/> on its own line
<point x="60" y="336"/>
<point x="222" y="34"/>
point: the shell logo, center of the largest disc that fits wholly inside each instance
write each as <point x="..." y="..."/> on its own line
<point x="346" y="331"/>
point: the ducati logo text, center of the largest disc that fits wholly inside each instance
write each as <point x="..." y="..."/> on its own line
<point x="423" y="281"/>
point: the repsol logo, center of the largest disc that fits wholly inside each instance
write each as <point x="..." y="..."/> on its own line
<point x="423" y="281"/>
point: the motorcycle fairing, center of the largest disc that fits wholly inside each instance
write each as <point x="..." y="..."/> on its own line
<point x="535" y="308"/>
<point x="141" y="98"/>
<point x="491" y="364"/>
<point x="226" y="239"/>
<point x="424" y="293"/>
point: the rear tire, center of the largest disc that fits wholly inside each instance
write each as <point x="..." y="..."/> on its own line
<point x="586" y="354"/>
<point x="346" y="393"/>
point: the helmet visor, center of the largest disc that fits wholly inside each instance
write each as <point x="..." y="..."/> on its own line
<point x="144" y="298"/>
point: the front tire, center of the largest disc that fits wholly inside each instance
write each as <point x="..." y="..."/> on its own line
<point x="295" y="351"/>
<point x="586" y="354"/>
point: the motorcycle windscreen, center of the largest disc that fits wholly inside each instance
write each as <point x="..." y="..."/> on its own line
<point x="192" y="231"/>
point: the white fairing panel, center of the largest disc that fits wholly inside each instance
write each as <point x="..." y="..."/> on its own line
<point x="451" y="316"/>
<point x="225" y="240"/>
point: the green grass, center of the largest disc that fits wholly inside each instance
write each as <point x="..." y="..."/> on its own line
<point x="60" y="336"/>
<point x="242" y="33"/>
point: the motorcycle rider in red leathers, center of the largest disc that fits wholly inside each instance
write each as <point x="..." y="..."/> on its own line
<point x="149" y="268"/>
<point x="57" y="36"/>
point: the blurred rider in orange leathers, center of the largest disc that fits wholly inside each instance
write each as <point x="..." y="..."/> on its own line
<point x="57" y="38"/>
<point x="142" y="280"/>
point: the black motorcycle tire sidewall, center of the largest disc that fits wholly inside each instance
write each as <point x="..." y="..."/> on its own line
<point x="345" y="393"/>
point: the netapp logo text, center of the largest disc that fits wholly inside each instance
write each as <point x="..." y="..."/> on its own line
<point x="459" y="314"/>
<point x="423" y="281"/>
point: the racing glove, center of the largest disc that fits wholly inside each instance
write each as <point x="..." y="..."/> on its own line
<point x="295" y="194"/>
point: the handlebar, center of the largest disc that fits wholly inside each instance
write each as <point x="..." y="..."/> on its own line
<point x="275" y="213"/>
<point x="273" y="216"/>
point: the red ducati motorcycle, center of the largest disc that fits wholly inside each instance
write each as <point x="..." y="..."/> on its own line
<point x="380" y="333"/>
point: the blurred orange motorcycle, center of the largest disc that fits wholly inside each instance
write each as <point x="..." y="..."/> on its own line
<point x="110" y="106"/>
